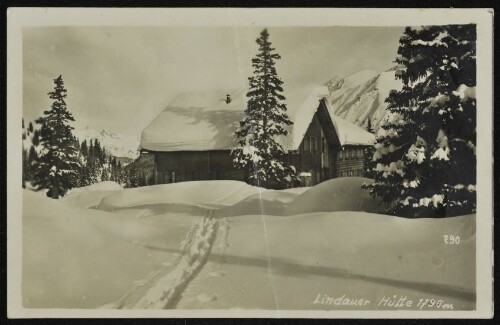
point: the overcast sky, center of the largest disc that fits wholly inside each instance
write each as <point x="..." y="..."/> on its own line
<point x="120" y="78"/>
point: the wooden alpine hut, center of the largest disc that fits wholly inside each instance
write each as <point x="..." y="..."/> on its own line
<point x="191" y="139"/>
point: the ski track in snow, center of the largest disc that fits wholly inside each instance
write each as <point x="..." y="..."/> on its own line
<point x="165" y="286"/>
<point x="193" y="292"/>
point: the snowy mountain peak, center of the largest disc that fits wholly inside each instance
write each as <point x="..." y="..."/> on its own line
<point x="361" y="96"/>
<point x="117" y="145"/>
<point x="359" y="78"/>
<point x="106" y="133"/>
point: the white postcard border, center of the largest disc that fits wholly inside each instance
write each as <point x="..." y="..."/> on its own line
<point x="18" y="18"/>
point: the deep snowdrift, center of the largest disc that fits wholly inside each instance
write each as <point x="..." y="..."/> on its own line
<point x="195" y="193"/>
<point x="339" y="194"/>
<point x="90" y="196"/>
<point x="267" y="202"/>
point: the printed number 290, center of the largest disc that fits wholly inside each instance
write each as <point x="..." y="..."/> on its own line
<point x="451" y="240"/>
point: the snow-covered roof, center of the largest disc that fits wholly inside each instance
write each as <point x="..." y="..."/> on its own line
<point x="197" y="121"/>
<point x="350" y="134"/>
<point x="202" y="120"/>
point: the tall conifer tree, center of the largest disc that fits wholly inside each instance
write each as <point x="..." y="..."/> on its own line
<point x="259" y="151"/>
<point x="58" y="165"/>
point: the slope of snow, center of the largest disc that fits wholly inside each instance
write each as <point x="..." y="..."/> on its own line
<point x="359" y="78"/>
<point x="225" y="244"/>
<point x="117" y="145"/>
<point x="277" y="263"/>
<point x="85" y="258"/>
<point x="163" y="291"/>
<point x="362" y="96"/>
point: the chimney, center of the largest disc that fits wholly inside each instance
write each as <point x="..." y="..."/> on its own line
<point x="228" y="99"/>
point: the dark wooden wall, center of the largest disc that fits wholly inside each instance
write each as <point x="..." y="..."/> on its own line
<point x="350" y="162"/>
<point x="181" y="166"/>
<point x="321" y="161"/>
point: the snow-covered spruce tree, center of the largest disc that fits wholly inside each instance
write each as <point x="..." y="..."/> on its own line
<point x="258" y="151"/>
<point x="58" y="165"/>
<point x="426" y="151"/>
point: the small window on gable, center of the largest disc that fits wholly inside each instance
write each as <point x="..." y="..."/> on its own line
<point x="306" y="144"/>
<point x="313" y="144"/>
<point x="323" y="144"/>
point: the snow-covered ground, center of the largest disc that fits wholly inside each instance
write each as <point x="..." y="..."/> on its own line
<point x="225" y="244"/>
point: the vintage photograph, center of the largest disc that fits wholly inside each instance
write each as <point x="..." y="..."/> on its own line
<point x="249" y="167"/>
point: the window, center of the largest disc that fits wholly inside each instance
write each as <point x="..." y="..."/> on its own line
<point x="306" y="144"/>
<point x="323" y="144"/>
<point x="313" y="144"/>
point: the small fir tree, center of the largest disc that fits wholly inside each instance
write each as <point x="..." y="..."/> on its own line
<point x="85" y="178"/>
<point x="425" y="154"/>
<point x="31" y="163"/>
<point x="258" y="151"/>
<point x="368" y="154"/>
<point x="58" y="165"/>
<point x="36" y="138"/>
<point x="84" y="149"/>
<point x="104" y="175"/>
